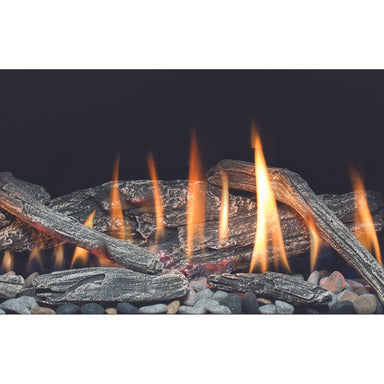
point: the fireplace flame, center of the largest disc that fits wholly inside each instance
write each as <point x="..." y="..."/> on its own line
<point x="81" y="255"/>
<point x="119" y="229"/>
<point x="157" y="196"/>
<point x="7" y="263"/>
<point x="59" y="257"/>
<point x="315" y="243"/>
<point x="268" y="223"/>
<point x="34" y="260"/>
<point x="223" y="224"/>
<point x="195" y="198"/>
<point x="363" y="222"/>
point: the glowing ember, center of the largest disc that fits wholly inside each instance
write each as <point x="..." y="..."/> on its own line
<point x="363" y="222"/>
<point x="223" y="226"/>
<point x="81" y="255"/>
<point x="195" y="199"/>
<point x="315" y="243"/>
<point x="268" y="224"/>
<point x="59" y="257"/>
<point x="119" y="229"/>
<point x="7" y="263"/>
<point x="157" y="197"/>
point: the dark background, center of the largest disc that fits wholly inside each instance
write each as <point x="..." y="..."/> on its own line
<point x="63" y="129"/>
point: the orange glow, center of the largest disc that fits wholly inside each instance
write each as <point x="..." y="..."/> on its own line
<point x="195" y="199"/>
<point x="366" y="233"/>
<point x="119" y="229"/>
<point x="268" y="223"/>
<point x="34" y="258"/>
<point x="81" y="255"/>
<point x="157" y="196"/>
<point x="223" y="228"/>
<point x="59" y="257"/>
<point x="7" y="263"/>
<point x="315" y="243"/>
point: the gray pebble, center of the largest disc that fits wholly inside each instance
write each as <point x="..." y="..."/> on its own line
<point x="268" y="309"/>
<point x="379" y="306"/>
<point x="233" y="302"/>
<point x="283" y="307"/>
<point x="2" y="312"/>
<point x="199" y="284"/>
<point x="21" y="305"/>
<point x="220" y="296"/>
<point x="314" y="278"/>
<point x="27" y="292"/>
<point x="191" y="298"/>
<point x="218" y="309"/>
<point x="333" y="299"/>
<point x="154" y="309"/>
<point x="68" y="309"/>
<point x="205" y="303"/>
<point x="186" y="310"/>
<point x="205" y="294"/>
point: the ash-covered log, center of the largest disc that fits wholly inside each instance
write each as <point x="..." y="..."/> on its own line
<point x="289" y="188"/>
<point x="15" y="197"/>
<point x="272" y="285"/>
<point x="10" y="286"/>
<point x="108" y="285"/>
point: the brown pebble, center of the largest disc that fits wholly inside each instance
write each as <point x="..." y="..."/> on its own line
<point x="173" y="307"/>
<point x="262" y="300"/>
<point x="29" y="280"/>
<point x="361" y="291"/>
<point x="348" y="296"/>
<point x="365" y="303"/>
<point x="111" y="311"/>
<point x="354" y="284"/>
<point x="42" y="311"/>
<point x="324" y="273"/>
<point x="335" y="282"/>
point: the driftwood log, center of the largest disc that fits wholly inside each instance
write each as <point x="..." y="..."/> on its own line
<point x="108" y="285"/>
<point x="18" y="201"/>
<point x="291" y="189"/>
<point x="10" y="286"/>
<point x="272" y="285"/>
<point x="137" y="201"/>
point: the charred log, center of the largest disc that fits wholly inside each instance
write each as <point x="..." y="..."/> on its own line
<point x="10" y="286"/>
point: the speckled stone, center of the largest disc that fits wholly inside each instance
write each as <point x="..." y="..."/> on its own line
<point x="220" y="296"/>
<point x="20" y="305"/>
<point x="42" y="311"/>
<point x="365" y="304"/>
<point x="190" y="299"/>
<point x="126" y="309"/>
<point x="335" y="282"/>
<point x="218" y="309"/>
<point x="2" y="312"/>
<point x="186" y="310"/>
<point x="333" y="301"/>
<point x="361" y="291"/>
<point x="173" y="307"/>
<point x="10" y="273"/>
<point x="347" y="295"/>
<point x="324" y="273"/>
<point x="354" y="284"/>
<point x="111" y="311"/>
<point x="284" y="308"/>
<point x="153" y="309"/>
<point x="268" y="309"/>
<point x="233" y="302"/>
<point x="298" y="277"/>
<point x="92" y="309"/>
<point x="205" y="294"/>
<point x="379" y="307"/>
<point x="314" y="278"/>
<point x="28" y="283"/>
<point x="68" y="309"/>
<point x="343" y="307"/>
<point x="249" y="303"/>
<point x="199" y="284"/>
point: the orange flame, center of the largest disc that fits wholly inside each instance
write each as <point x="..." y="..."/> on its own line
<point x="223" y="224"/>
<point x="268" y="222"/>
<point x="119" y="229"/>
<point x="34" y="258"/>
<point x="366" y="233"/>
<point x="315" y="243"/>
<point x="157" y="197"/>
<point x="195" y="199"/>
<point x="59" y="257"/>
<point x="81" y="255"/>
<point x="7" y="263"/>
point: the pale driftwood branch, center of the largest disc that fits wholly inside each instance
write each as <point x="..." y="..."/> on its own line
<point x="10" y="286"/>
<point x="20" y="203"/>
<point x="108" y="285"/>
<point x="272" y="285"/>
<point x="291" y="189"/>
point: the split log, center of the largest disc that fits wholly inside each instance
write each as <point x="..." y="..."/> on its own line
<point x="291" y="189"/>
<point x="19" y="202"/>
<point x="137" y="201"/>
<point x="272" y="285"/>
<point x="108" y="285"/>
<point x="10" y="286"/>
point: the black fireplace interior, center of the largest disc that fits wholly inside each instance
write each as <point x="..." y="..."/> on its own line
<point x="63" y="129"/>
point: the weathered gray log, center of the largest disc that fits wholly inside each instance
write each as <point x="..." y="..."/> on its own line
<point x="291" y="189"/>
<point x="108" y="285"/>
<point x="137" y="201"/>
<point x="272" y="285"/>
<point x="10" y="286"/>
<point x="20" y="203"/>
